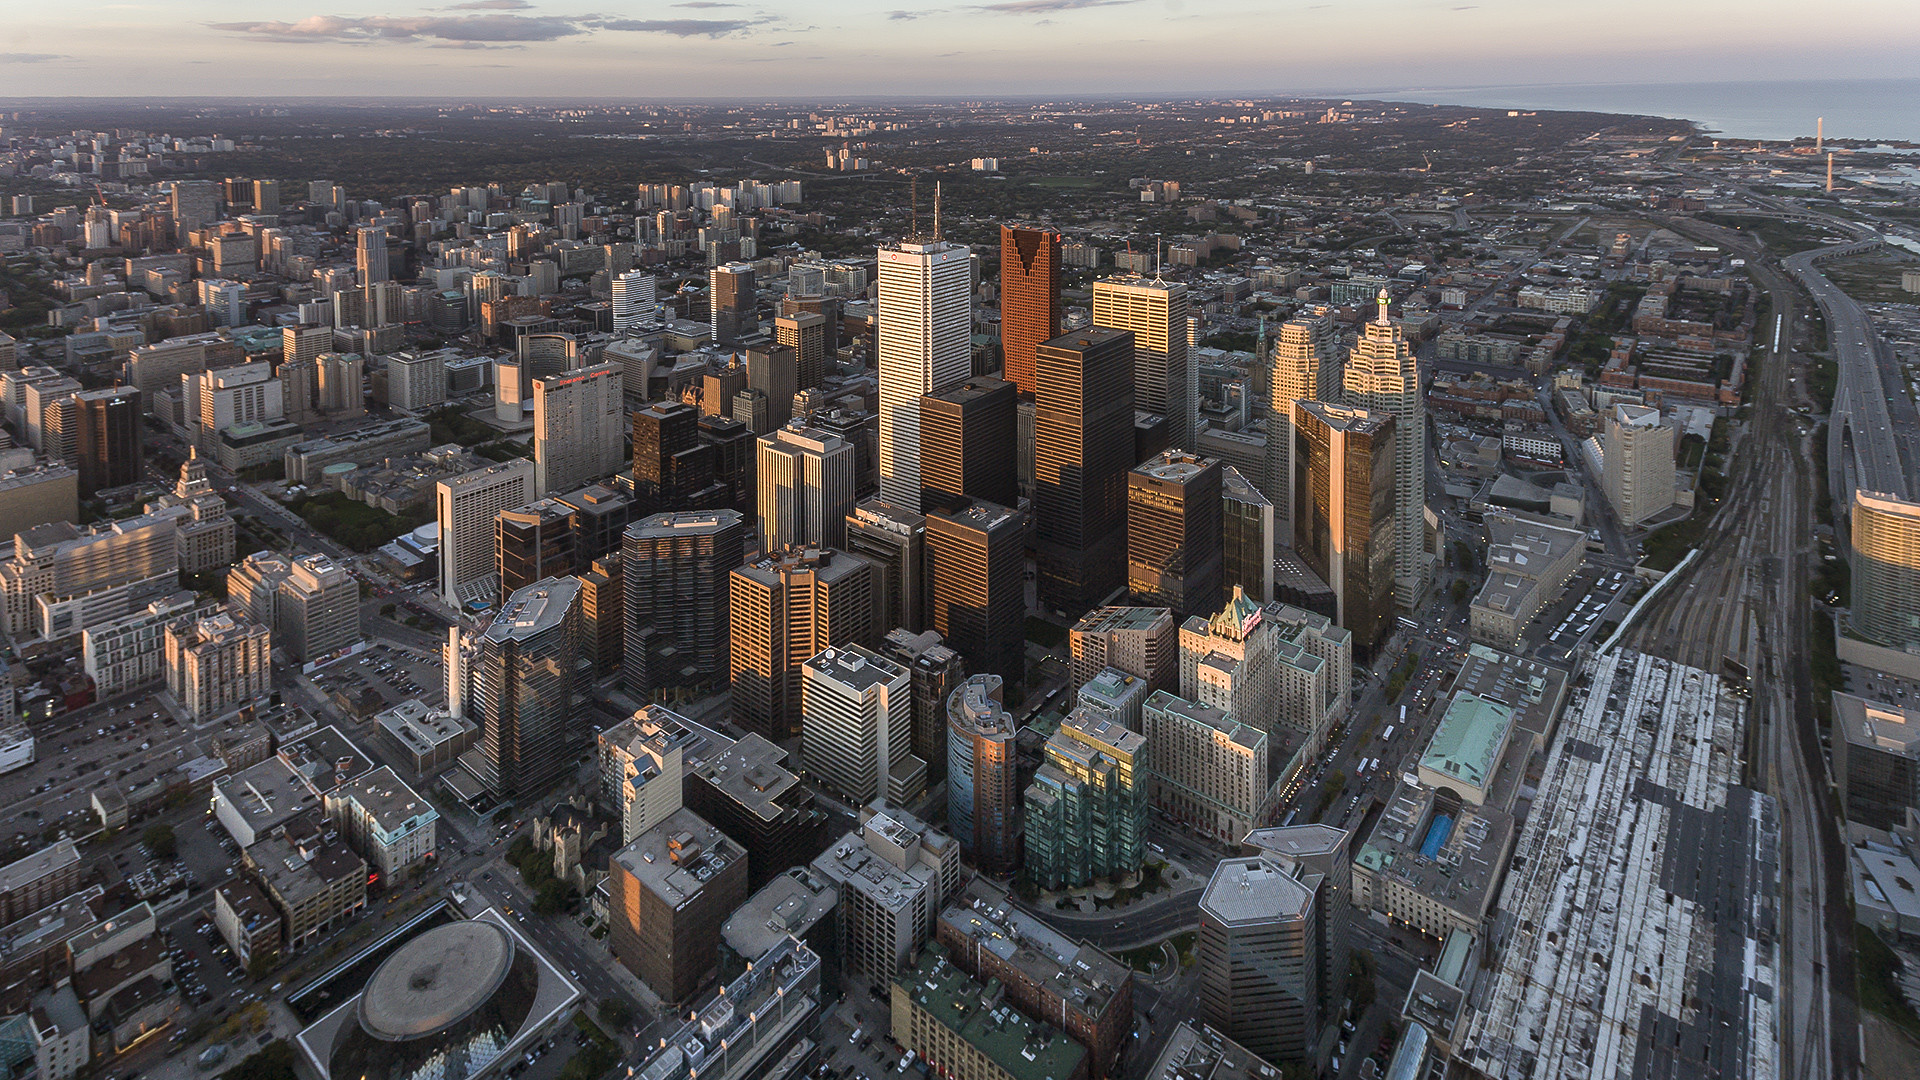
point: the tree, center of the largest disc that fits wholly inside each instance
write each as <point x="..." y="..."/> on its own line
<point x="1459" y="589"/>
<point x="551" y="897"/>
<point x="159" y="839"/>
<point x="263" y="964"/>
<point x="273" y="1061"/>
<point x="1360" y="988"/>
<point x="617" y="1012"/>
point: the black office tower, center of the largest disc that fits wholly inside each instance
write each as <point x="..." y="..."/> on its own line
<point x="732" y="445"/>
<point x="674" y="571"/>
<point x="968" y="437"/>
<point x="110" y="438"/>
<point x="976" y="585"/>
<point x="1174" y="534"/>
<point x="672" y="468"/>
<point x="1082" y="449"/>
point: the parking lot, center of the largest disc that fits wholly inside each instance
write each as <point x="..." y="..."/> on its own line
<point x="395" y="672"/>
<point x="122" y="742"/>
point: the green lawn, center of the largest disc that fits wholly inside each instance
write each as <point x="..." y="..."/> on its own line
<point x="354" y="524"/>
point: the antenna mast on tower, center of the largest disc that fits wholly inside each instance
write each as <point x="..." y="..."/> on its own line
<point x="913" y="208"/>
<point x="936" y="211"/>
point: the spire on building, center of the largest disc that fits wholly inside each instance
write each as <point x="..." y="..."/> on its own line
<point x="1383" y="306"/>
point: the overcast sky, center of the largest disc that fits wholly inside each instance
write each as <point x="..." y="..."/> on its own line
<point x="744" y="48"/>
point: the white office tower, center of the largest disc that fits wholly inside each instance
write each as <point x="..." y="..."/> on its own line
<point x="925" y="346"/>
<point x="370" y="252"/>
<point x="633" y="299"/>
<point x="805" y="483"/>
<point x="466" y="506"/>
<point x="1305" y="367"/>
<point x="1384" y="376"/>
<point x="1637" y="469"/>
<point x="856" y="731"/>
<point x="1156" y="312"/>
<point x="579" y="421"/>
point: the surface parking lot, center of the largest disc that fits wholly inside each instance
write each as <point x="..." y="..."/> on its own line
<point x="395" y="672"/>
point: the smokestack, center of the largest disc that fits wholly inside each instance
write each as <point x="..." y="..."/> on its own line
<point x="1819" y="133"/>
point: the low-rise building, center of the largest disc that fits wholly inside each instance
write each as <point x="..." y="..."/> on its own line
<point x="761" y="1023"/>
<point x="1195" y="1051"/>
<point x="255" y="801"/>
<point x="795" y="904"/>
<point x="428" y="739"/>
<point x="316" y="883"/>
<point x="1528" y="564"/>
<point x="382" y="819"/>
<point x="894" y="874"/>
<point x="30" y="883"/>
<point x="246" y="919"/>
<point x="965" y="1032"/>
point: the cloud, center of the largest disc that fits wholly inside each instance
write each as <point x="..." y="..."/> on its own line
<point x="1047" y="7"/>
<point x="902" y="16"/>
<point x="470" y="45"/>
<point x="31" y="57"/>
<point x="369" y="28"/>
<point x="491" y="5"/>
<point x="705" y="4"/>
<point x="680" y="27"/>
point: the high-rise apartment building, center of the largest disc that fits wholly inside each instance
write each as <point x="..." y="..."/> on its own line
<point x="1305" y="366"/>
<point x="577" y="427"/>
<point x="1383" y="376"/>
<point x="417" y="380"/>
<point x="976" y="586"/>
<point x="924" y="342"/>
<point x="195" y="203"/>
<point x="1086" y="809"/>
<point x="465" y="508"/>
<point x="318" y="608"/>
<point x="1208" y="770"/>
<point x="675" y="580"/>
<point x="218" y="663"/>
<point x="784" y="609"/>
<point x="1248" y="535"/>
<point x="1174" y="536"/>
<point x="732" y="299"/>
<point x="633" y="299"/>
<point x="673" y="469"/>
<point x="1030" y="309"/>
<point x="1141" y="641"/>
<point x="370" y="254"/>
<point x="894" y="540"/>
<point x="110" y="437"/>
<point x="983" y="788"/>
<point x="525" y="680"/>
<point x="1082" y="449"/>
<point x="1344" y="523"/>
<point x="643" y="762"/>
<point x="857" y="726"/>
<point x="1164" y="380"/>
<point x="806" y="480"/>
<point x="342" y="391"/>
<point x="805" y="332"/>
<point x="1637" y="462"/>
<point x="1886" y="569"/>
<point x="968" y="442"/>
<point x="307" y="342"/>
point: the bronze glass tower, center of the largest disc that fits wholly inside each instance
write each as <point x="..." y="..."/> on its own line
<point x="1029" y="299"/>
<point x="1082" y="449"/>
<point x="110" y="438"/>
<point x="784" y="609"/>
<point x="967" y="437"/>
<point x="976" y="585"/>
<point x="1343" y="515"/>
<point x="674" y="579"/>
<point x="672" y="468"/>
<point x="1174" y="533"/>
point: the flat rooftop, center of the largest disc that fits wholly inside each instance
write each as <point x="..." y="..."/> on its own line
<point x="1534" y="690"/>
<point x="1079" y="974"/>
<point x="753" y="773"/>
<point x="789" y="905"/>
<point x="980" y="1017"/>
<point x="55" y="857"/>
<point x="1255" y="889"/>
<point x="393" y="805"/>
<point x="676" y="858"/>
<point x="1195" y="1051"/>
<point x="267" y="794"/>
<point x="1102" y="620"/>
<point x="538" y="607"/>
<point x="1890" y="729"/>
<point x="856" y="668"/>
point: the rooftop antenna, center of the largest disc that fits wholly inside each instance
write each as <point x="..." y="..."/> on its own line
<point x="913" y="208"/>
<point x="936" y="211"/>
<point x="1159" y="246"/>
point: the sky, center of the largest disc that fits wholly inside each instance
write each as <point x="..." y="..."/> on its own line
<point x="809" y="49"/>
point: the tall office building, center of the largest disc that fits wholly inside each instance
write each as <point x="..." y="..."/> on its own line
<point x="299" y="343"/>
<point x="1305" y="366"/>
<point x="935" y="670"/>
<point x="674" y="579"/>
<point x="805" y="478"/>
<point x="417" y="381"/>
<point x="774" y="372"/>
<point x="805" y="332"/>
<point x="669" y="892"/>
<point x="532" y="543"/>
<point x="1637" y="462"/>
<point x="1156" y="313"/>
<point x="895" y="542"/>
<point x="1141" y="641"/>
<point x="1248" y="534"/>
<point x="633" y="299"/>
<point x="732" y="444"/>
<point x="370" y="255"/>
<point x="673" y="469"/>
<point x="603" y="615"/>
<point x="1082" y="449"/>
<point x="342" y="390"/>
<point x="857" y="726"/>
<point x="318" y="609"/>
<point x="1086" y="809"/>
<point x="465" y="508"/>
<point x="1344" y="523"/>
<point x="783" y="609"/>
<point x="731" y="299"/>
<point x="195" y="203"/>
<point x="1030" y="309"/>
<point x="1174" y="533"/>
<point x="1383" y="376"/>
<point x="1886" y="569"/>
<point x="110" y="437"/>
<point x="924" y="341"/>
<point x="968" y="442"/>
<point x="525" y="678"/>
<point x="983" y="789"/>
<point x="577" y="422"/>
<point x="976" y="586"/>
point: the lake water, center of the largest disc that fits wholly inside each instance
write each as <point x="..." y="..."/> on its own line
<point x="1855" y="109"/>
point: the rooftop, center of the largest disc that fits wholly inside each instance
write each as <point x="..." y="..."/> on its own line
<point x="722" y="1035"/>
<point x="1082" y="976"/>
<point x="693" y="521"/>
<point x="982" y="1019"/>
<point x="1532" y="689"/>
<point x="435" y="979"/>
<point x="1174" y="465"/>
<point x="1256" y="889"/>
<point x="1206" y="716"/>
<point x="675" y="859"/>
<point x="789" y="905"/>
<point x="856" y="667"/>
<point x="393" y="805"/>
<point x="421" y="727"/>
<point x="1469" y="740"/>
<point x="266" y="794"/>
<point x="1890" y="729"/>
<point x="538" y="607"/>
<point x="1198" y="1052"/>
<point x="298" y="872"/>
<point x="753" y="773"/>
<point x="1103" y="620"/>
<point x="56" y="856"/>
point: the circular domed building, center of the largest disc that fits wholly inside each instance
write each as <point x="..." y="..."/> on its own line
<point x="446" y="1005"/>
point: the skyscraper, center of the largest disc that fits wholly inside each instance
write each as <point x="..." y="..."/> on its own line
<point x="1086" y="809"/>
<point x="1305" y="367"/>
<point x="1174" y="534"/>
<point x="1141" y="641"/>
<point x="1029" y="299"/>
<point x="110" y="437"/>
<point x="577" y="419"/>
<point x="1886" y="569"/>
<point x="858" y="722"/>
<point x="1156" y="312"/>
<point x="318" y="610"/>
<point x="465" y="507"/>
<point x="1248" y="535"/>
<point x="774" y="372"/>
<point x="674" y="580"/>
<point x="784" y="608"/>
<point x="633" y="299"/>
<point x="1082" y="449"/>
<point x="806" y="481"/>
<point x="895" y="542"/>
<point x="370" y="254"/>
<point x="731" y="297"/>
<point x="1344" y="514"/>
<point x="1383" y="376"/>
<point x="733" y="446"/>
<point x="194" y="204"/>
<point x="924" y="343"/>
<point x="967" y="444"/>
<point x="672" y="469"/>
<point x="525" y="678"/>
<point x="983" y="790"/>
<point x="532" y="543"/>
<point x="1637" y="462"/>
<point x="805" y="332"/>
<point x="936" y="670"/>
<point x="976" y="586"/>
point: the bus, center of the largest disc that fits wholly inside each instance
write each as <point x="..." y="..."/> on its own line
<point x="1387" y="735"/>
<point x="1403" y="714"/>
